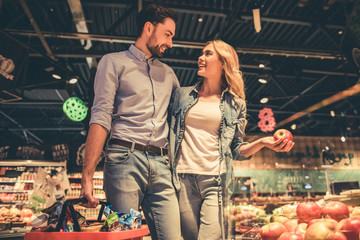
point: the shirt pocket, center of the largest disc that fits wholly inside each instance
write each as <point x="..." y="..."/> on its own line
<point x="230" y="127"/>
<point x="116" y="154"/>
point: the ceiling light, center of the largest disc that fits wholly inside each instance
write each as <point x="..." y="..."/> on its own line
<point x="56" y="76"/>
<point x="293" y="127"/>
<point x="264" y="100"/>
<point x="343" y="139"/>
<point x="261" y="65"/>
<point x="262" y="80"/>
<point x="332" y="113"/>
<point x="73" y="81"/>
<point x="256" y="5"/>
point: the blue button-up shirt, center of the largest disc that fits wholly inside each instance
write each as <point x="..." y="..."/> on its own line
<point x="132" y="94"/>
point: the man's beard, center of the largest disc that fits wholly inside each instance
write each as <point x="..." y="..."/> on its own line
<point x="155" y="50"/>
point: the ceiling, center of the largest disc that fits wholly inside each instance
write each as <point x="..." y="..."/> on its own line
<point x="305" y="46"/>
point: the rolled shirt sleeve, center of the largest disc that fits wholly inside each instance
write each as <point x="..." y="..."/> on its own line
<point x="105" y="85"/>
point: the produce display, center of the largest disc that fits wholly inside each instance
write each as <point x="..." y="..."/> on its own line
<point x="14" y="217"/>
<point x="319" y="220"/>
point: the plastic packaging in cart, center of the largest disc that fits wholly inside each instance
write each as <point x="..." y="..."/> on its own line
<point x="130" y="220"/>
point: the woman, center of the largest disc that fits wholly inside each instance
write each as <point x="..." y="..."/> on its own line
<point x="207" y="128"/>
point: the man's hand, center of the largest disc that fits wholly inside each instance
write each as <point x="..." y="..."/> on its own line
<point x="86" y="191"/>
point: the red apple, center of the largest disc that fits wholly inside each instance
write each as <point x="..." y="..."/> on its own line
<point x="350" y="227"/>
<point x="301" y="228"/>
<point x="355" y="211"/>
<point x="333" y="222"/>
<point x="306" y="211"/>
<point x="323" y="231"/>
<point x="283" y="133"/>
<point x="291" y="224"/>
<point x="335" y="210"/>
<point x="272" y="231"/>
<point x="291" y="236"/>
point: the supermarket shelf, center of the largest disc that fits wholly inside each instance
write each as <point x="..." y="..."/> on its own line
<point x="16" y="191"/>
<point x="31" y="163"/>
<point x="15" y="202"/>
<point x="95" y="187"/>
<point x="72" y="177"/>
<point x="19" y="181"/>
<point x="15" y="232"/>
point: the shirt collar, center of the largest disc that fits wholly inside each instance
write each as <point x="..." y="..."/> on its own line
<point x="140" y="54"/>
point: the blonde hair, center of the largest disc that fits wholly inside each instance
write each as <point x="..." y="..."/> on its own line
<point x="232" y="76"/>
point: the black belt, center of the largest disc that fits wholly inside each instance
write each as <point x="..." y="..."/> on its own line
<point x="149" y="148"/>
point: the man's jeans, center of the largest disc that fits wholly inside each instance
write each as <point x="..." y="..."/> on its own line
<point x="135" y="178"/>
<point x="199" y="207"/>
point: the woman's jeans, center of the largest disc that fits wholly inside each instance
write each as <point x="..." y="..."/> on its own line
<point x="135" y="178"/>
<point x="199" y="207"/>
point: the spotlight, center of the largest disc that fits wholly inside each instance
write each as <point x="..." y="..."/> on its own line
<point x="264" y="100"/>
<point x="262" y="80"/>
<point x="73" y="80"/>
<point x="343" y="139"/>
<point x="56" y="76"/>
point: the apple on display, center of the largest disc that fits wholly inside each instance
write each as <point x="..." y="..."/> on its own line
<point x="283" y="133"/>
<point x="307" y="211"/>
<point x="323" y="231"/>
<point x="336" y="210"/>
<point x="291" y="236"/>
<point x="331" y="221"/>
<point x="350" y="227"/>
<point x="272" y="231"/>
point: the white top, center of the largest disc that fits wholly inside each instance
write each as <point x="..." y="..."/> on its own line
<point x="199" y="150"/>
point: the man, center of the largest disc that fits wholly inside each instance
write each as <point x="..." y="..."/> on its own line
<point x="132" y="94"/>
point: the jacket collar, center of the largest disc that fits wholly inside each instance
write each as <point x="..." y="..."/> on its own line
<point x="197" y="87"/>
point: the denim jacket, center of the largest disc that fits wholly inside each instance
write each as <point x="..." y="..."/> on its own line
<point x="233" y="117"/>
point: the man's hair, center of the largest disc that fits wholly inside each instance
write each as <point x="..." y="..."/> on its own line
<point x="154" y="14"/>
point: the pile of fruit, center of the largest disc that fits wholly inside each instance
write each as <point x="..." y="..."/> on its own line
<point x="313" y="220"/>
<point x="15" y="216"/>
